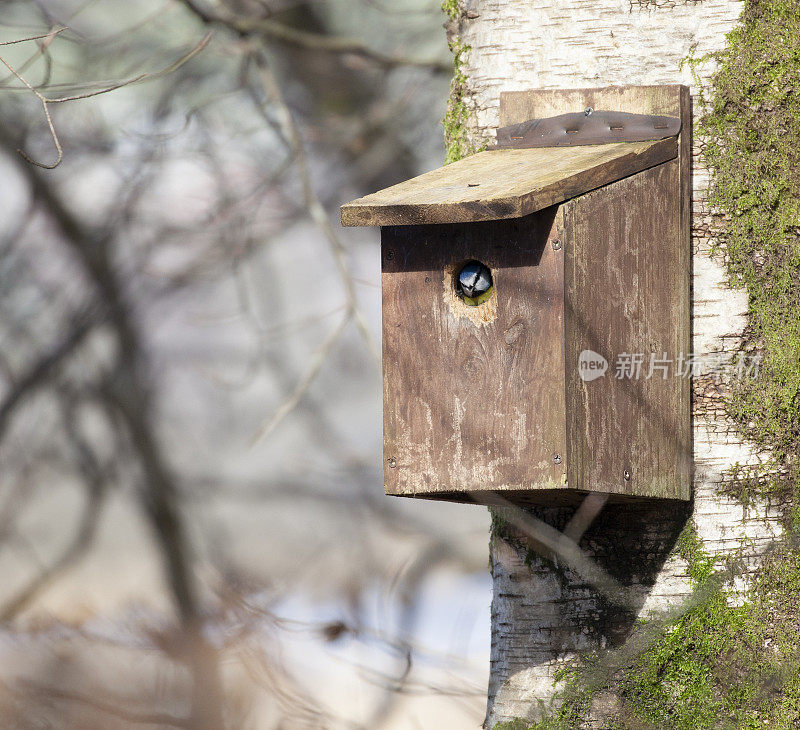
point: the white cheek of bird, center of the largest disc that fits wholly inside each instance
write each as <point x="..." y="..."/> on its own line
<point x="474" y="283"/>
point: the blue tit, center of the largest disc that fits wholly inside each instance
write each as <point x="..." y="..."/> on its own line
<point x="474" y="283"/>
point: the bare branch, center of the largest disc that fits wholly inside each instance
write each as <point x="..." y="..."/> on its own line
<point x="312" y="41"/>
<point x="84" y="534"/>
<point x="49" y="119"/>
<point x="317" y="212"/>
<point x="49" y="36"/>
<point x="46" y="100"/>
<point x="40" y="372"/>
<point x="590" y="507"/>
<point x="304" y="383"/>
<point x="127" y="398"/>
<point x="551" y="539"/>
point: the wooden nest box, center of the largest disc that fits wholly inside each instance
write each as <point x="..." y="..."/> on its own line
<point x="536" y="306"/>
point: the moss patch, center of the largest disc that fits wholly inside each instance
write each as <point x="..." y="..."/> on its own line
<point x="450" y="9"/>
<point x="701" y="565"/>
<point x="718" y="665"/>
<point x="751" y="130"/>
<point x="723" y="665"/>
<point x="456" y="117"/>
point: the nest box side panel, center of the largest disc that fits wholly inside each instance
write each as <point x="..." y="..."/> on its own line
<point x="473" y="397"/>
<point x="628" y="269"/>
<point x="627" y="289"/>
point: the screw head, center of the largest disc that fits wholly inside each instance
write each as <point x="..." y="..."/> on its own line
<point x="627" y="475"/>
<point x="556" y="458"/>
<point x="588" y="111"/>
<point x="556" y="244"/>
<point x="392" y="463"/>
<point x="474" y="282"/>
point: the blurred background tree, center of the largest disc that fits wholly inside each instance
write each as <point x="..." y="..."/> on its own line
<point x="192" y="523"/>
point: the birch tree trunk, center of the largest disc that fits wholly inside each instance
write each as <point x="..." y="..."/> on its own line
<point x="543" y="614"/>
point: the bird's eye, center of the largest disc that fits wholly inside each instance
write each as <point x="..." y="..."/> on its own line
<point x="474" y="283"/>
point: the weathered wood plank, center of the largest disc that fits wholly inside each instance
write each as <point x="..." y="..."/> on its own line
<point x="473" y="396"/>
<point x="626" y="289"/>
<point x="500" y="184"/>
<point x="627" y="258"/>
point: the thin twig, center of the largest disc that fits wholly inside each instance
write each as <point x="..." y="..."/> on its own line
<point x="316" y="210"/>
<point x="49" y="35"/>
<point x="304" y="383"/>
<point x="42" y="50"/>
<point x="47" y="116"/>
<point x="47" y="100"/>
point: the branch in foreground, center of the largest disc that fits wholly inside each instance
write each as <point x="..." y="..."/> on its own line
<point x="79" y="544"/>
<point x="548" y="537"/>
<point x="128" y="399"/>
<point x="39" y="373"/>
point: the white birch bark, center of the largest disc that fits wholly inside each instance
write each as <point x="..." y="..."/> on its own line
<point x="542" y="617"/>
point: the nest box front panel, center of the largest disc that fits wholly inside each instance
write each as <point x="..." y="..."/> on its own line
<point x="473" y="389"/>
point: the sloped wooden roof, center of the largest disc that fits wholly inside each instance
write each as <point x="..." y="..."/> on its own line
<point x="505" y="183"/>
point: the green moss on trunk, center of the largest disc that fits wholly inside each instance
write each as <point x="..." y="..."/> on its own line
<point x="456" y="119"/>
<point x="751" y="130"/>
<point x="727" y="663"/>
<point x="457" y="115"/>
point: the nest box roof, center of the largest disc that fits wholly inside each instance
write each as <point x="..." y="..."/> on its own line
<point x="505" y="183"/>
